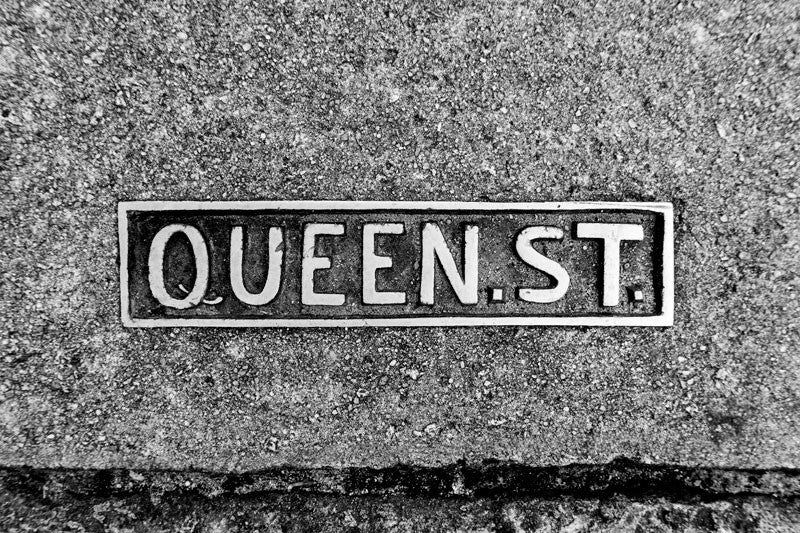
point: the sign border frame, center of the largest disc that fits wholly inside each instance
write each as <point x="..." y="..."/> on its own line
<point x="665" y="319"/>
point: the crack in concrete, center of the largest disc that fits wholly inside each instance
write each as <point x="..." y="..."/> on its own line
<point x="489" y="479"/>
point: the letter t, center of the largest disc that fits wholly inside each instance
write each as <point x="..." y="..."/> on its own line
<point x="611" y="235"/>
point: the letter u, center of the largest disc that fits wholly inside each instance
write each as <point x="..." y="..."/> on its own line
<point x="273" y="281"/>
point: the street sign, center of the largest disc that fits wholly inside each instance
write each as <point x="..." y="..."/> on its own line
<point x="342" y="263"/>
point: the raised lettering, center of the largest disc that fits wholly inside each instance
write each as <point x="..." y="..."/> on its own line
<point x="273" y="281"/>
<point x="311" y="263"/>
<point x="527" y="253"/>
<point x="371" y="263"/>
<point x="434" y="246"/>
<point x="155" y="264"/>
<point x="611" y="235"/>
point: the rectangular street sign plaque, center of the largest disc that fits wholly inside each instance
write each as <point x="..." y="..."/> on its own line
<point x="349" y="263"/>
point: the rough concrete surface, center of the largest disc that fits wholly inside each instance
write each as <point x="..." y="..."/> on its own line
<point x="567" y="499"/>
<point x="695" y="103"/>
<point x="289" y="512"/>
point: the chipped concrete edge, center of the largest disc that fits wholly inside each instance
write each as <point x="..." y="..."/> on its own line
<point x="487" y="479"/>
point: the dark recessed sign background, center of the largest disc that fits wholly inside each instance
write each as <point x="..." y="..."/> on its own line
<point x="502" y="273"/>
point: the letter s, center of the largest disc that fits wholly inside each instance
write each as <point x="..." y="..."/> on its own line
<point x="533" y="258"/>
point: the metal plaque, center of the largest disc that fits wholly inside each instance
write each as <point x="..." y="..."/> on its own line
<point x="342" y="263"/>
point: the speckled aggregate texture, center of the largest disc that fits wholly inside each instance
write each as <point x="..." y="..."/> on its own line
<point x="292" y="513"/>
<point x="691" y="103"/>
